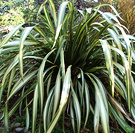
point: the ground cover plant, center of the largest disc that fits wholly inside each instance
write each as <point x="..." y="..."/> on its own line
<point x="75" y="64"/>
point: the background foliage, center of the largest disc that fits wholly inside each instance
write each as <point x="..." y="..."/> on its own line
<point x="126" y="9"/>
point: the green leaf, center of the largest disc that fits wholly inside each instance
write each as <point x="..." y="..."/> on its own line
<point x="62" y="63"/>
<point x="96" y="114"/>
<point x="41" y="7"/>
<point x="45" y="113"/>
<point x="109" y="64"/>
<point x="60" y="49"/>
<point x="40" y="80"/>
<point x="19" y="100"/>
<point x="120" y="108"/>
<point x="61" y="14"/>
<point x="16" y="43"/>
<point x="24" y="35"/>
<point x="124" y="125"/>
<point x="27" y="117"/>
<point x="72" y="116"/>
<point x="11" y="80"/>
<point x="53" y="11"/>
<point x="6" y="118"/>
<point x="127" y="76"/>
<point x="77" y="109"/>
<point x="57" y="93"/>
<point x="48" y="19"/>
<point x="64" y="98"/>
<point x="83" y="86"/>
<point x="35" y="104"/>
<point x="10" y="35"/>
<point x="21" y="83"/>
<point x="11" y="66"/>
<point x="103" y="108"/>
<point x="87" y="97"/>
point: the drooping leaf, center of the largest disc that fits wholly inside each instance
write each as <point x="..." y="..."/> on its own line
<point x="10" y="35"/>
<point x="63" y="100"/>
<point x="21" y="44"/>
<point x="109" y="63"/>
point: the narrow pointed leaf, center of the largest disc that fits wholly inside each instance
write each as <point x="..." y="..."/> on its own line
<point x="61" y="14"/>
<point x="64" y="98"/>
<point x="77" y="110"/>
<point x="10" y="34"/>
<point x="35" y="104"/>
<point x="40" y="80"/>
<point x="27" y="117"/>
<point x="109" y="63"/>
<point x="21" y="44"/>
<point x="57" y="93"/>
<point x="87" y="97"/>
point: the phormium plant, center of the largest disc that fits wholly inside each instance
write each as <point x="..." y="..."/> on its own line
<point x="77" y="63"/>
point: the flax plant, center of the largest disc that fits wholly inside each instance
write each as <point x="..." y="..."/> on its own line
<point x="78" y="63"/>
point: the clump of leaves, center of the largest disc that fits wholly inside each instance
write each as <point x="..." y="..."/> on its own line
<point x="75" y="63"/>
<point x="126" y="9"/>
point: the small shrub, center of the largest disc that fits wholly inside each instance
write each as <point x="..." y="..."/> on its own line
<point x="78" y="63"/>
